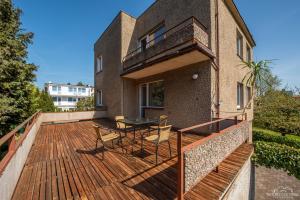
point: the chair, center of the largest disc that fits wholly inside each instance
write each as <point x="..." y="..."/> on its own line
<point x="106" y="138"/>
<point x="121" y="126"/>
<point x="162" y="136"/>
<point x="163" y="119"/>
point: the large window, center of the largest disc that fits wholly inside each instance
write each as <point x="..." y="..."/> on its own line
<point x="240" y="96"/>
<point x="239" y="44"/>
<point x="152" y="94"/>
<point x="99" y="62"/>
<point x="99" y="98"/>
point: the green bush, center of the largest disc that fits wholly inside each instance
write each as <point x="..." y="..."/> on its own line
<point x="271" y="136"/>
<point x="278" y="111"/>
<point x="279" y="156"/>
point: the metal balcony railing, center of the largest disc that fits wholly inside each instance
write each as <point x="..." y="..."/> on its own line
<point x="189" y="30"/>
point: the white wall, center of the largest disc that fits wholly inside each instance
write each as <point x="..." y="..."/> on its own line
<point x="66" y="116"/>
<point x="240" y="188"/>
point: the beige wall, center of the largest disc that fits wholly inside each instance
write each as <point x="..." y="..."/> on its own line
<point x="231" y="71"/>
<point x="120" y="95"/>
<point x="187" y="102"/>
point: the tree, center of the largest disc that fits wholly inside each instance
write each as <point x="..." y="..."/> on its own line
<point x="80" y="83"/>
<point x="257" y="76"/>
<point x="85" y="104"/>
<point x="16" y="75"/>
<point x="41" y="100"/>
<point x="278" y="111"/>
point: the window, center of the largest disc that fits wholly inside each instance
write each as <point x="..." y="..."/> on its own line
<point x="99" y="98"/>
<point x="83" y="90"/>
<point x="152" y="94"/>
<point x="70" y="89"/>
<point x="59" y="89"/>
<point x="249" y="96"/>
<point x="248" y="53"/>
<point x="79" y="90"/>
<point x="54" y="99"/>
<point x="239" y="44"/>
<point x="71" y="99"/>
<point x="99" y="63"/>
<point x="152" y="38"/>
<point x="54" y="88"/>
<point x="240" y="96"/>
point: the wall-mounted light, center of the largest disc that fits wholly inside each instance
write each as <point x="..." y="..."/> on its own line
<point x="195" y="76"/>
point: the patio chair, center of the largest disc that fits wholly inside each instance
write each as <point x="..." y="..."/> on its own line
<point x="163" y="120"/>
<point x="162" y="136"/>
<point x="121" y="126"/>
<point x="106" y="138"/>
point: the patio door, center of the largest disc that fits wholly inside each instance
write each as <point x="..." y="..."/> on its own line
<point x="143" y="99"/>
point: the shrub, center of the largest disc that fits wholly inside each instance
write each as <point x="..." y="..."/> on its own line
<point x="271" y="136"/>
<point x="279" y="156"/>
<point x="278" y="111"/>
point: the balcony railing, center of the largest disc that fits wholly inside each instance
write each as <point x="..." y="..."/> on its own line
<point x="190" y="30"/>
<point x="197" y="159"/>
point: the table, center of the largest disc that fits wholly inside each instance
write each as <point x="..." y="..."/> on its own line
<point x="139" y="122"/>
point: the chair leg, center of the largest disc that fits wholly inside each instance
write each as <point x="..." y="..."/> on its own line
<point x="96" y="143"/>
<point x="103" y="149"/>
<point x="170" y="148"/>
<point x="156" y="153"/>
<point x="112" y="144"/>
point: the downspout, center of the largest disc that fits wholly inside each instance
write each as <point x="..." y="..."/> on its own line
<point x="217" y="55"/>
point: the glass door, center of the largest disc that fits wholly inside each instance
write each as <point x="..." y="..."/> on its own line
<point x="143" y="99"/>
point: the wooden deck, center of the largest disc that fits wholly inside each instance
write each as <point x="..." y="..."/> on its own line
<point x="63" y="164"/>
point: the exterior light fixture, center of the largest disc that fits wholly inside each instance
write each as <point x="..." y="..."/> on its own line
<point x="195" y="76"/>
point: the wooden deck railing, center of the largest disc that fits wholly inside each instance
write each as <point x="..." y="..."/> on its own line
<point x="15" y="138"/>
<point x="182" y="149"/>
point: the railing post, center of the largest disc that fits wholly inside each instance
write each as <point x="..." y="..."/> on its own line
<point x="179" y="167"/>
<point x="218" y="127"/>
<point x="235" y="120"/>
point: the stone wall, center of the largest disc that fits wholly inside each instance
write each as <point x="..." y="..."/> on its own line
<point x="202" y="159"/>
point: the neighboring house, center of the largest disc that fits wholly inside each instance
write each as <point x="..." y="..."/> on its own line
<point x="65" y="96"/>
<point x="179" y="58"/>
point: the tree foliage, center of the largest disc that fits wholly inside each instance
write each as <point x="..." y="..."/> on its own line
<point x="278" y="111"/>
<point x="85" y="104"/>
<point x="16" y="75"/>
<point x="41" y="100"/>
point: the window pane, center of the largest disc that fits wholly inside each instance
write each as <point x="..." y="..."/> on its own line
<point x="240" y="96"/>
<point x="144" y="95"/>
<point x="156" y="94"/>
<point x="54" y="88"/>
<point x="70" y="99"/>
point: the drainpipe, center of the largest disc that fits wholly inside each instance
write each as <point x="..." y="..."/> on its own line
<point x="217" y="55"/>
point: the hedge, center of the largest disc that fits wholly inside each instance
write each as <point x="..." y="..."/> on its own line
<point x="279" y="156"/>
<point x="271" y="136"/>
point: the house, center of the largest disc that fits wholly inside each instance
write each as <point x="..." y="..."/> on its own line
<point x="178" y="58"/>
<point x="65" y="96"/>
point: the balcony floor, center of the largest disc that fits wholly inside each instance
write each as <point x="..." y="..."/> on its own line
<point x="63" y="164"/>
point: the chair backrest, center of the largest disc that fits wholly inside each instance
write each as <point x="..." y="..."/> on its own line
<point x="119" y="122"/>
<point x="163" y="120"/>
<point x="98" y="132"/>
<point x="164" y="133"/>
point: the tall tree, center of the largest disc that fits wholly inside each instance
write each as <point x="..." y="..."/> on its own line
<point x="16" y="75"/>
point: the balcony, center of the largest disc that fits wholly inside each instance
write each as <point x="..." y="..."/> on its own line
<point x="184" y="44"/>
<point x="53" y="156"/>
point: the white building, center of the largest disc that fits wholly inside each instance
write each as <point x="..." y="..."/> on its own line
<point x="65" y="96"/>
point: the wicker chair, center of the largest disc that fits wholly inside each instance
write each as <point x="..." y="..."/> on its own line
<point x="162" y="136"/>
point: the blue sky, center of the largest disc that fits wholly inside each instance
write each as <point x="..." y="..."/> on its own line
<point x="65" y="31"/>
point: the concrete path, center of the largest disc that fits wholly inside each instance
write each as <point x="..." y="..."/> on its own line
<point x="275" y="184"/>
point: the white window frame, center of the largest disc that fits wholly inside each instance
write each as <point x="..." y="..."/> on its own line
<point x="99" y="100"/>
<point x="248" y="91"/>
<point x="99" y="64"/>
<point x="240" y="96"/>
<point x="147" y="94"/>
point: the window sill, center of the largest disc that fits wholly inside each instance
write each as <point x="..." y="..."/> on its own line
<point x="154" y="108"/>
<point x="99" y="72"/>
<point x="240" y="57"/>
